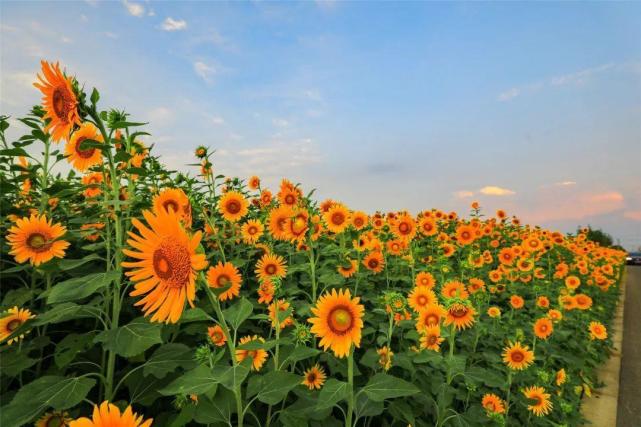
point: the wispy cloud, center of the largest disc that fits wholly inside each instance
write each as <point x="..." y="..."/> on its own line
<point x="205" y="71"/>
<point x="171" y="24"/>
<point x="463" y="194"/>
<point x="633" y="215"/>
<point x="134" y="9"/>
<point x="281" y="123"/>
<point x="565" y="183"/>
<point x="492" y="190"/>
<point x="563" y="206"/>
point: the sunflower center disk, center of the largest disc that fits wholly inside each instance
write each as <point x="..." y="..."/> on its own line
<point x="338" y="218"/>
<point x="54" y="421"/>
<point x="13" y="325"/>
<point x="518" y="356"/>
<point x="340" y="320"/>
<point x="59" y="104"/>
<point x="85" y="154"/>
<point x="38" y="242"/>
<point x="270" y="269"/>
<point x="170" y="205"/>
<point x="172" y="263"/>
<point x="233" y="207"/>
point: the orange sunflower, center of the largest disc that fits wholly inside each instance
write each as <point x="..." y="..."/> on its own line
<point x="516" y="302"/>
<point x="270" y="266"/>
<point x="92" y="182"/>
<point x="517" y="356"/>
<point x="597" y="331"/>
<point x="108" y="415"/>
<point x="348" y="269"/>
<point x="337" y="218"/>
<point x="277" y="221"/>
<point x="254" y="183"/>
<point x="165" y="267"/>
<point x="430" y="316"/>
<point x="283" y="306"/>
<point x="454" y="289"/>
<point x="493" y="404"/>
<point x="385" y="356"/>
<point x="80" y="157"/>
<point x="460" y="315"/>
<point x="258" y="356"/>
<point x="465" y="234"/>
<point x="266" y="292"/>
<point x="217" y="335"/>
<point x="252" y="230"/>
<point x="54" y="419"/>
<point x="374" y="261"/>
<point x="543" y="328"/>
<point x="427" y="226"/>
<point x="431" y="338"/>
<point x="560" y="377"/>
<point x="15" y="318"/>
<point x="541" y="404"/>
<point x="233" y="206"/>
<point x="174" y="199"/>
<point x="314" y="377"/>
<point x="297" y="225"/>
<point x="338" y="321"/>
<point x="223" y="275"/>
<point x="35" y="239"/>
<point x="425" y="279"/>
<point x="58" y="100"/>
<point x="359" y="220"/>
<point x="404" y="227"/>
<point x="420" y="298"/>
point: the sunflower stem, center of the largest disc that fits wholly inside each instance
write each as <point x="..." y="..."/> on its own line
<point x="507" y="399"/>
<point x="45" y="175"/>
<point x="350" y="382"/>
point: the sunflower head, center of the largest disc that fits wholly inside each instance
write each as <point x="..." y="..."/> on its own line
<point x="11" y="321"/>
<point x="79" y="155"/>
<point x="314" y="377"/>
<point x="36" y="239"/>
<point x="233" y="206"/>
<point x="517" y="356"/>
<point x="108" y="414"/>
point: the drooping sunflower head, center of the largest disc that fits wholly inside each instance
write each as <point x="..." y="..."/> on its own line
<point x="560" y="377"/>
<point x="109" y="415"/>
<point x="385" y="356"/>
<point x="11" y="321"/>
<point x="225" y="275"/>
<point x="493" y="404"/>
<point x="460" y="315"/>
<point x="257" y="356"/>
<point x="348" y="268"/>
<point x="79" y="155"/>
<point x="338" y="321"/>
<point x="314" y="377"/>
<point x="233" y="206"/>
<point x="517" y="356"/>
<point x="36" y="239"/>
<point x="54" y="419"/>
<point x="174" y="200"/>
<point x="58" y="100"/>
<point x="540" y="400"/>
<point x="165" y="267"/>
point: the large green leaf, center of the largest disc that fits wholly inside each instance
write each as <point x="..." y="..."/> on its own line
<point x="70" y="346"/>
<point x="70" y="264"/>
<point x="233" y="376"/>
<point x="238" y="313"/>
<point x="63" y="312"/>
<point x="216" y="410"/>
<point x="167" y="358"/>
<point x="13" y="361"/>
<point x="199" y="380"/>
<point x="131" y="339"/>
<point x="332" y="392"/>
<point x="46" y="392"/>
<point x="276" y="385"/>
<point x="79" y="287"/>
<point x="383" y="386"/>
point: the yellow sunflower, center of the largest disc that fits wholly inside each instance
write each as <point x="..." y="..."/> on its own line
<point x="337" y="218"/>
<point x="517" y="356"/>
<point x="541" y="404"/>
<point x="270" y="266"/>
<point x="404" y="227"/>
<point x="108" y="415"/>
<point x="54" y="419"/>
<point x="258" y="356"/>
<point x="81" y="157"/>
<point x="460" y="315"/>
<point x="233" y="206"/>
<point x="217" y="335"/>
<point x="420" y="298"/>
<point x="165" y="267"/>
<point x="597" y="331"/>
<point x="175" y="200"/>
<point x="430" y="316"/>
<point x="359" y="220"/>
<point x="314" y="377"/>
<point x="374" y="261"/>
<point x="431" y="338"/>
<point x="223" y="275"/>
<point x="425" y="279"/>
<point x="278" y="218"/>
<point x="338" y="321"/>
<point x="35" y="239"/>
<point x="58" y="100"/>
<point x="252" y="230"/>
<point x="543" y="328"/>
<point x="348" y="269"/>
<point x="15" y="318"/>
<point x="493" y="404"/>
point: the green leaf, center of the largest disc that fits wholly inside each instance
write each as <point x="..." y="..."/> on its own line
<point x="167" y="358"/>
<point x="131" y="339"/>
<point x="122" y="125"/>
<point x="480" y="375"/>
<point x="79" y="287"/>
<point x="70" y="264"/>
<point x="12" y="362"/>
<point x="365" y="407"/>
<point x="122" y="156"/>
<point x="332" y="392"/>
<point x="63" y="312"/>
<point x="216" y="410"/>
<point x="199" y="380"/>
<point x="194" y="315"/>
<point x="276" y="385"/>
<point x="95" y="96"/>
<point x="233" y="376"/>
<point x="383" y="386"/>
<point x="238" y="313"/>
<point x="13" y="152"/>
<point x="70" y="346"/>
<point x="46" y="392"/>
<point x="300" y="353"/>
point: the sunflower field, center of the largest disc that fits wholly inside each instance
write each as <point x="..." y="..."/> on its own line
<point x="133" y="295"/>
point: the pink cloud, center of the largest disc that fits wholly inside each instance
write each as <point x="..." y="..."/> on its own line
<point x="554" y="206"/>
<point x="633" y="215"/>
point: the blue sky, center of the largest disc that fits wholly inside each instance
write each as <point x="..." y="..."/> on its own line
<point x="531" y="107"/>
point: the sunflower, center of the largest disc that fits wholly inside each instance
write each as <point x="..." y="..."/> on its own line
<point x="337" y="218"/>
<point x="54" y="419"/>
<point x="217" y="335"/>
<point x="494" y="312"/>
<point x="252" y="230"/>
<point x="543" y="302"/>
<point x="297" y="225"/>
<point x="420" y="298"/>
<point x="35" y="239"/>
<point x="560" y="377"/>
<point x="165" y="267"/>
<point x="80" y="157"/>
<point x="454" y="289"/>
<point x="517" y="356"/>
<point x="404" y="227"/>
<point x="555" y="315"/>
<point x="506" y="256"/>
<point x="476" y="285"/>
<point x="254" y="183"/>
<point x="465" y="234"/>
<point x="175" y="200"/>
<point x="597" y="331"/>
<point x="385" y="357"/>
<point x="15" y="318"/>
<point x="93" y="182"/>
<point x="265" y="198"/>
<point x="493" y="404"/>
<point x="448" y="250"/>
<point x="108" y="415"/>
<point x="543" y="328"/>
<point x="283" y="307"/>
<point x="460" y="315"/>
<point x="223" y="275"/>
<point x="583" y="301"/>
<point x="277" y="221"/>
<point x="431" y="338"/>
<point x="258" y="356"/>
<point x="266" y="292"/>
<point x="338" y="321"/>
<point x="541" y="404"/>
<point x="374" y="261"/>
<point x="425" y="279"/>
<point x="288" y="197"/>
<point x="270" y="266"/>
<point x="427" y="226"/>
<point x="359" y="220"/>
<point x="516" y="302"/>
<point x="430" y="316"/>
<point x="314" y="377"/>
<point x="58" y="100"/>
<point x="347" y="270"/>
<point x="233" y="206"/>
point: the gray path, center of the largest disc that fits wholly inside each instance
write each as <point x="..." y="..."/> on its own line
<point x="629" y="408"/>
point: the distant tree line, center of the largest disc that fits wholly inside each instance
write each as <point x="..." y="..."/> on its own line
<point x="602" y="238"/>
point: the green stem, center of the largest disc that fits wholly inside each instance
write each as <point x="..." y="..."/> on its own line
<point x="44" y="179"/>
<point x="509" y="390"/>
<point x="350" y="382"/>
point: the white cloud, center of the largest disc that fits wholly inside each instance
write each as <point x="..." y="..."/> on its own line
<point x="204" y="71"/>
<point x="217" y="120"/>
<point x="463" y="194"/>
<point x="509" y="94"/>
<point x="281" y="123"/>
<point x="83" y="18"/>
<point x="160" y="115"/>
<point x="110" y="35"/>
<point x="492" y="190"/>
<point x="580" y="77"/>
<point x="134" y="9"/>
<point x="565" y="183"/>
<point x="326" y="4"/>
<point x="171" y="24"/>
